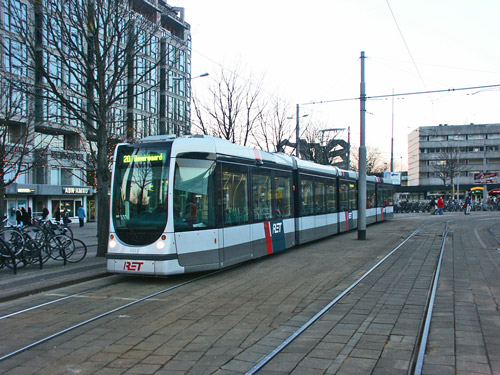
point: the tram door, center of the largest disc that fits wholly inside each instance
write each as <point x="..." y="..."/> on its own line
<point x="347" y="205"/>
<point x="236" y="236"/>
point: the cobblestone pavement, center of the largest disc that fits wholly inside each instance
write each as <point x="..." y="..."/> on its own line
<point x="225" y="323"/>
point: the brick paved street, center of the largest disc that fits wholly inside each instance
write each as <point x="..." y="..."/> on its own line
<point x="225" y="323"/>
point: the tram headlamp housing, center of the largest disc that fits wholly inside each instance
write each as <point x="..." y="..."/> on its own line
<point x="112" y="242"/>
<point x="160" y="245"/>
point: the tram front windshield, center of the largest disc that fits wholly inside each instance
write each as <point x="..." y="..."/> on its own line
<point x="140" y="190"/>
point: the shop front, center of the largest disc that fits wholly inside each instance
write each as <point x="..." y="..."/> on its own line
<point x="35" y="197"/>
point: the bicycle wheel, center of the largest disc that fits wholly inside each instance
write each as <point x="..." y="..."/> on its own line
<point x="59" y="246"/>
<point x="14" y="238"/>
<point x="5" y="253"/>
<point x="31" y="252"/>
<point x="78" y="253"/>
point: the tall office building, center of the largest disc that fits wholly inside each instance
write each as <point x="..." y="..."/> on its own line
<point x="157" y="99"/>
<point x="461" y="150"/>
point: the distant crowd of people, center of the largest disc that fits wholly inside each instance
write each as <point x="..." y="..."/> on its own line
<point x="25" y="217"/>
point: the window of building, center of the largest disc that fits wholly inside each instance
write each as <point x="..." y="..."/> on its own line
<point x="66" y="176"/>
<point x="435" y="138"/>
<point x="10" y="174"/>
<point x="15" y="15"/>
<point x="457" y="137"/>
<point x="494" y="136"/>
<point x="475" y="136"/>
<point x="15" y="57"/>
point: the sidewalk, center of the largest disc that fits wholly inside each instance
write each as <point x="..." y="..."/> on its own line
<point x="31" y="279"/>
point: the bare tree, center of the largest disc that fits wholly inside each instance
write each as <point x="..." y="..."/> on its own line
<point x="84" y="58"/>
<point x="274" y="128"/>
<point x="375" y="163"/>
<point x="233" y="108"/>
<point x="447" y="165"/>
<point x="15" y="147"/>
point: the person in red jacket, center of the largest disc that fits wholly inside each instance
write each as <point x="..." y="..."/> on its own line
<point x="440" y="205"/>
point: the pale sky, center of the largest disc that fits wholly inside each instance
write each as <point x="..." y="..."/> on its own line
<point x="310" y="51"/>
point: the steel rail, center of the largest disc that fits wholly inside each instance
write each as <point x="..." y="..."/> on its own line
<point x="297" y="333"/>
<point x="45" y="339"/>
<point x="427" y="325"/>
<point x="493" y="234"/>
<point x="53" y="301"/>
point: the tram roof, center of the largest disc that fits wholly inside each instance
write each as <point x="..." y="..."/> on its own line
<point x="217" y="147"/>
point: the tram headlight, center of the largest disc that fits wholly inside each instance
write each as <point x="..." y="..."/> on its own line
<point x="160" y="245"/>
<point x="112" y="243"/>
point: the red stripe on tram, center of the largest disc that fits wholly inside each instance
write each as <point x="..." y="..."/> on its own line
<point x="382" y="213"/>
<point x="269" y="242"/>
<point x="347" y="220"/>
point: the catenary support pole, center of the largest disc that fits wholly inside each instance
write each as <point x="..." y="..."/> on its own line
<point x="362" y="158"/>
<point x="297" y="134"/>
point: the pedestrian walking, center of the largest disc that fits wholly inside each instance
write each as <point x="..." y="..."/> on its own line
<point x="440" y="206"/>
<point x="45" y="213"/>
<point x="19" y="216"/>
<point x="57" y="215"/>
<point x="25" y="220"/>
<point x="433" y="206"/>
<point x="65" y="217"/>
<point x="468" y="206"/>
<point x="81" y="215"/>
<point x="30" y="217"/>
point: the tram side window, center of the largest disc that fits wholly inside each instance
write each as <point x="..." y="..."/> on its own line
<point x="194" y="202"/>
<point x="331" y="197"/>
<point x="370" y="195"/>
<point x="353" y="201"/>
<point x="307" y="190"/>
<point x="261" y="192"/>
<point x="344" y="196"/>
<point x="319" y="197"/>
<point x="235" y="194"/>
<point x="380" y="196"/>
<point x="388" y="197"/>
<point x="283" y="195"/>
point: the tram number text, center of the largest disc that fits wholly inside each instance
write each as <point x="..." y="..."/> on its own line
<point x="277" y="228"/>
<point x="132" y="266"/>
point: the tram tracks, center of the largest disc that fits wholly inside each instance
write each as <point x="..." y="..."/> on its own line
<point x="418" y="356"/>
<point x="93" y="318"/>
<point x="434" y="232"/>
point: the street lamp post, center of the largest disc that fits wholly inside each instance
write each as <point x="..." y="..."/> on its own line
<point x="187" y="128"/>
<point x="297" y="130"/>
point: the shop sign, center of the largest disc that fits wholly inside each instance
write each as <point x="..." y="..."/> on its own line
<point x="76" y="190"/>
<point x="25" y="191"/>
<point x="485" y="178"/>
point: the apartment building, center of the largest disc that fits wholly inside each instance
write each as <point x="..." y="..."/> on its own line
<point x="437" y="153"/>
<point x="157" y="103"/>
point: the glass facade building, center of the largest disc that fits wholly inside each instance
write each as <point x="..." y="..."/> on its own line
<point x="157" y="84"/>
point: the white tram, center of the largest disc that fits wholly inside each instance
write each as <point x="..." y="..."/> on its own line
<point x="199" y="203"/>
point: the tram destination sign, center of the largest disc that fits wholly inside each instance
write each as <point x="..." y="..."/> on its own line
<point x="71" y="190"/>
<point x="143" y="158"/>
<point x="485" y="178"/>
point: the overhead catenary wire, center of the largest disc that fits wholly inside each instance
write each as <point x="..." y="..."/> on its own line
<point x="405" y="94"/>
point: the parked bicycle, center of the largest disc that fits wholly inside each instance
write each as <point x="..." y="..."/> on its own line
<point x="21" y="245"/>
